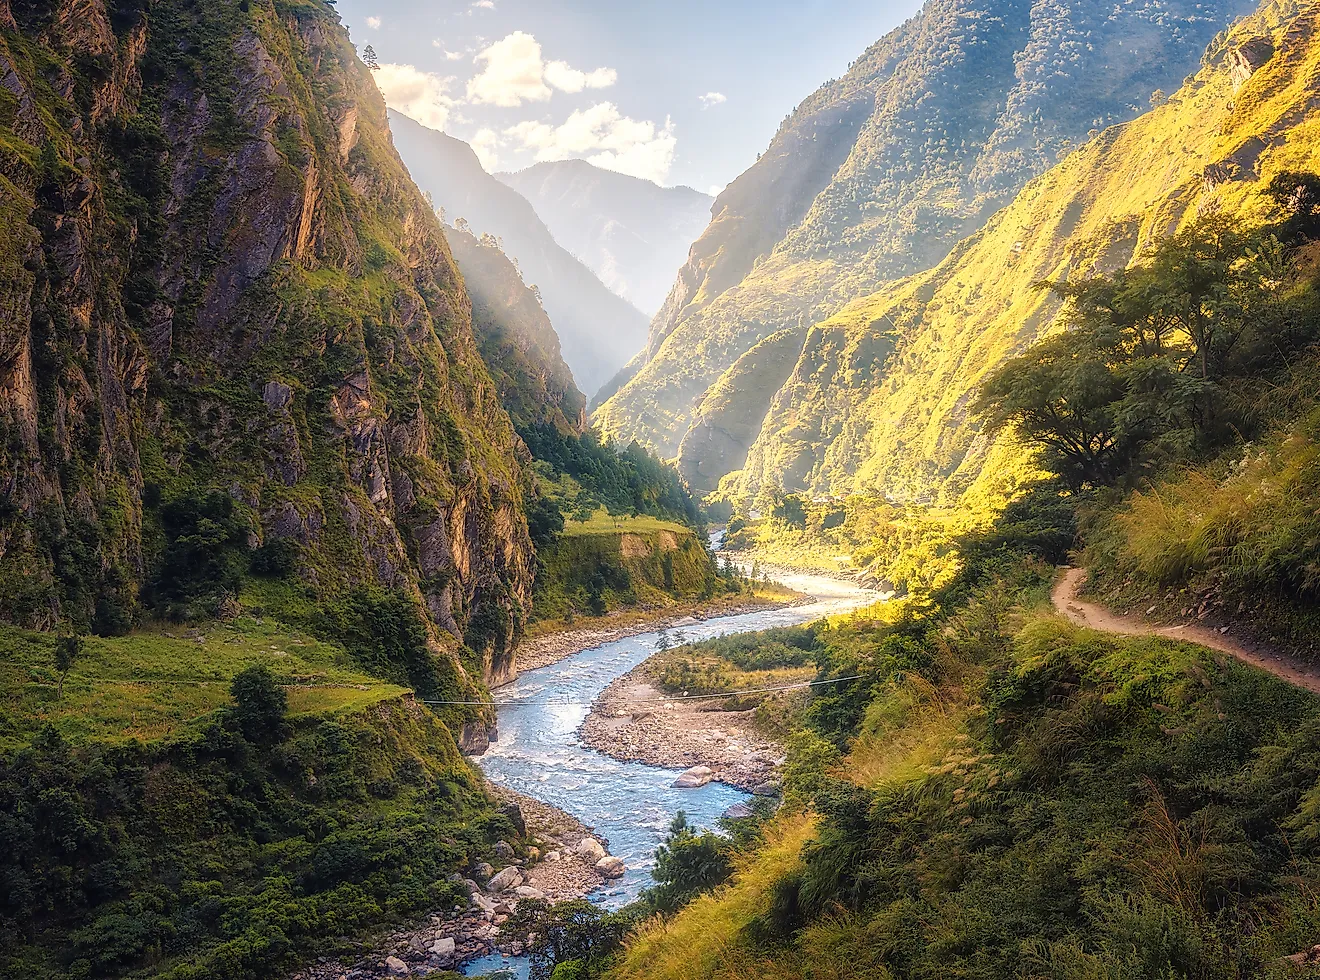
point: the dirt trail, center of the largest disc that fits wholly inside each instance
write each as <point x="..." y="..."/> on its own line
<point x="1097" y="617"/>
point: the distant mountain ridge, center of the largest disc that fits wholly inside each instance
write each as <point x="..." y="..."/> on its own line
<point x="598" y="330"/>
<point x="880" y="173"/>
<point x="634" y="234"/>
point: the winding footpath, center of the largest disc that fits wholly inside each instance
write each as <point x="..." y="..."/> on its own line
<point x="1097" y="617"/>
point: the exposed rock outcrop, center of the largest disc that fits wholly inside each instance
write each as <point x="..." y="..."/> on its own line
<point x="218" y="275"/>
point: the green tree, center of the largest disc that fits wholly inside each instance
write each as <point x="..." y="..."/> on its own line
<point x="260" y="704"/>
<point x="68" y="649"/>
<point x="687" y="864"/>
<point x="369" y="58"/>
<point x="1063" y="396"/>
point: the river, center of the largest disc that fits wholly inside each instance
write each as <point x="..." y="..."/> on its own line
<point x="627" y="803"/>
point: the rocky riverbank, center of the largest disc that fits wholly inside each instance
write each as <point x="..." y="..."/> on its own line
<point x="550" y="648"/>
<point x="626" y="723"/>
<point x="563" y="861"/>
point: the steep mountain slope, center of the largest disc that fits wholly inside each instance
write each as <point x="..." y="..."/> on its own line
<point x="230" y="319"/>
<point x="516" y="339"/>
<point x="598" y="330"/>
<point x="878" y="397"/>
<point x="632" y="233"/>
<point x="878" y="174"/>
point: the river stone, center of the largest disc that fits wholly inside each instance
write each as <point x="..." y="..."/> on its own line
<point x="611" y="867"/>
<point x="506" y="879"/>
<point x="694" y="777"/>
<point x="590" y="850"/>
<point x="444" y="946"/>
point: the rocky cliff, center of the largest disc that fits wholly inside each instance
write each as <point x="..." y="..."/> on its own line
<point x="878" y="174"/>
<point x="516" y="339"/>
<point x="216" y="275"/>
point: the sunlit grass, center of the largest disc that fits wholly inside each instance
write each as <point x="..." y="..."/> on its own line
<point x="706" y="936"/>
<point x="151" y="684"/>
<point x="602" y="522"/>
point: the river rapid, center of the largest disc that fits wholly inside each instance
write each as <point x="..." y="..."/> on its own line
<point x="627" y="803"/>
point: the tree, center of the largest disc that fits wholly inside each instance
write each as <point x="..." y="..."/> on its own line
<point x="68" y="649"/>
<point x="687" y="864"/>
<point x="1158" y="98"/>
<point x="369" y="58"/>
<point x="1062" y="395"/>
<point x="260" y="704"/>
<point x="576" y="932"/>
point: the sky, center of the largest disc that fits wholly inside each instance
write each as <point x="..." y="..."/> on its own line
<point x="678" y="92"/>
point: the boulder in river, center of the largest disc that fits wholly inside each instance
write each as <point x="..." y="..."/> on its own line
<point x="694" y="777"/>
<point x="590" y="850"/>
<point x="504" y="880"/>
<point x="611" y="867"/>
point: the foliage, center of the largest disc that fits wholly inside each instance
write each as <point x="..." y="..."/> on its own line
<point x="627" y="481"/>
<point x="68" y="649"/>
<point x="687" y="864"/>
<point x="205" y="855"/>
<point x="1153" y="354"/>
<point x="571" y="939"/>
<point x="260" y="704"/>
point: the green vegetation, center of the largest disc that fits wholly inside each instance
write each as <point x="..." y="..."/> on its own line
<point x="877" y="175"/>
<point x="1003" y="793"/>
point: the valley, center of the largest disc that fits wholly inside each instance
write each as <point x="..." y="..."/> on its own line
<point x="436" y="539"/>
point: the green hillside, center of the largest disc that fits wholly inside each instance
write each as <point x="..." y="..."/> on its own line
<point x="878" y="401"/>
<point x="879" y="173"/>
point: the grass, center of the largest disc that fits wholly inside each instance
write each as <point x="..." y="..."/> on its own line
<point x="149" y="685"/>
<point x="602" y="523"/>
<point x="699" y="942"/>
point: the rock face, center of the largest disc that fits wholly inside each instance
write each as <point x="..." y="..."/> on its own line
<point x="516" y="339"/>
<point x="218" y="276"/>
<point x="880" y="173"/>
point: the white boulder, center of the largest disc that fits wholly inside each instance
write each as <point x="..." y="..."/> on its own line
<point x="694" y="777"/>
<point x="611" y="867"/>
<point x="590" y="850"/>
<point x="503" y="880"/>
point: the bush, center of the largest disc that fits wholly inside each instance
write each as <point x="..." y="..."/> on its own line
<point x="260" y="704"/>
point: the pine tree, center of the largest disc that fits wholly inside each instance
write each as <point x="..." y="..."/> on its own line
<point x="369" y="58"/>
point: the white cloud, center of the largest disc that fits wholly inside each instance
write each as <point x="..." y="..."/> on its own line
<point x="439" y="45"/>
<point x="483" y="4"/>
<point x="373" y="23"/>
<point x="603" y="136"/>
<point x="566" y="79"/>
<point x="483" y="144"/>
<point x="513" y="72"/>
<point x="712" y="98"/>
<point x="715" y="190"/>
<point x="421" y="95"/>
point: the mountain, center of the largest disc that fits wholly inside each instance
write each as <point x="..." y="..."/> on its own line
<point x="516" y="339"/>
<point x="235" y="343"/>
<point x="880" y="173"/>
<point x="632" y="233"/>
<point x="598" y="330"/>
<point x="877" y="398"/>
